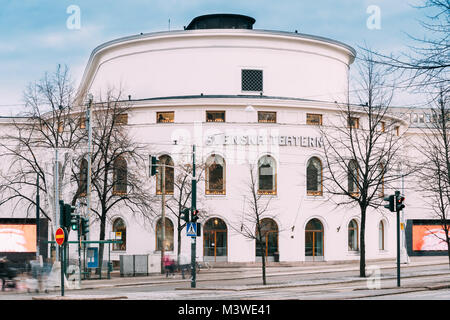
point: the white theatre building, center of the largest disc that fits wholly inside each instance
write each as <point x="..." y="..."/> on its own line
<point x="244" y="97"/>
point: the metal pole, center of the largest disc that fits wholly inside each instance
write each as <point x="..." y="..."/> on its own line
<point x="163" y="214"/>
<point x="57" y="215"/>
<point x="62" y="269"/>
<point x="193" y="207"/>
<point x="37" y="218"/>
<point x="88" y="184"/>
<point x="397" y="195"/>
<point x="79" y="244"/>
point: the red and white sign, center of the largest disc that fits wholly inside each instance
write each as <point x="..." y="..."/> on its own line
<point x="60" y="236"/>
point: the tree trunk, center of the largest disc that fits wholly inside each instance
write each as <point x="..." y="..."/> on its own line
<point x="263" y="257"/>
<point x="179" y="242"/>
<point x="101" y="245"/>
<point x="362" y="257"/>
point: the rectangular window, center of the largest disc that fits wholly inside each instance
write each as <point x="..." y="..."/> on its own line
<point x="122" y="119"/>
<point x="382" y="126"/>
<point x="421" y="118"/>
<point x="314" y="119"/>
<point x="165" y="117"/>
<point x="252" y="80"/>
<point x="83" y="123"/>
<point x="215" y="116"/>
<point x="353" y="122"/>
<point x="268" y="117"/>
<point x="397" y="131"/>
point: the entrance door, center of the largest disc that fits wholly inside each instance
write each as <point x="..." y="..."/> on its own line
<point x="269" y="230"/>
<point x="314" y="241"/>
<point x="215" y="240"/>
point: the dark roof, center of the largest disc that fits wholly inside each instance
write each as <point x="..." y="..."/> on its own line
<point x="221" y="21"/>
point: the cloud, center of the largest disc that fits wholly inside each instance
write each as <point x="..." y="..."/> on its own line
<point x="63" y="39"/>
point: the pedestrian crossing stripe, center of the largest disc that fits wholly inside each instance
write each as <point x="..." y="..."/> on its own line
<point x="191" y="230"/>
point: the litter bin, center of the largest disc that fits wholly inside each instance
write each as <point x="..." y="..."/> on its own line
<point x="276" y="257"/>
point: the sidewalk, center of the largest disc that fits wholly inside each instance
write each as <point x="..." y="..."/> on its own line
<point x="249" y="271"/>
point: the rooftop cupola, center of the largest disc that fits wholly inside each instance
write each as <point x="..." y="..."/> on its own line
<point x="221" y="21"/>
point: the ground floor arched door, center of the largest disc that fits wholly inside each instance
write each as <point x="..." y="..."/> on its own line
<point x="314" y="240"/>
<point x="269" y="230"/>
<point x="215" y="240"/>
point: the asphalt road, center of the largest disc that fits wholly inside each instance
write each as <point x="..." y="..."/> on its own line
<point x="283" y="284"/>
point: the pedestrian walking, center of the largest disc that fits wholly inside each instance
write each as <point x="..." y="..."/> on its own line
<point x="3" y="271"/>
<point x="169" y="265"/>
<point x="184" y="264"/>
<point x="8" y="274"/>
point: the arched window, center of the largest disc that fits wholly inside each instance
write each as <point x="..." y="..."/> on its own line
<point x="381" y="236"/>
<point x="168" y="243"/>
<point x="267" y="175"/>
<point x="314" y="239"/>
<point x="269" y="230"/>
<point x="169" y="175"/>
<point x="314" y="184"/>
<point x="83" y="177"/>
<point x="353" y="177"/>
<point x="119" y="226"/>
<point x="215" y="175"/>
<point x="353" y="244"/>
<point x="120" y="176"/>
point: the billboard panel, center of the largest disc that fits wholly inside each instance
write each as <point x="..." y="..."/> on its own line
<point x="17" y="238"/>
<point x="428" y="238"/>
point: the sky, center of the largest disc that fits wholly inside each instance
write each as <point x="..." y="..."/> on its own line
<point x="37" y="35"/>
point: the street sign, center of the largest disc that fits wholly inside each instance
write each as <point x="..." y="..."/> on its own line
<point x="191" y="229"/>
<point x="60" y="236"/>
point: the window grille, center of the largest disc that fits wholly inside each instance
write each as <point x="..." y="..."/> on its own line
<point x="252" y="80"/>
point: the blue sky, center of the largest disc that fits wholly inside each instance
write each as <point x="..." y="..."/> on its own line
<point x="34" y="36"/>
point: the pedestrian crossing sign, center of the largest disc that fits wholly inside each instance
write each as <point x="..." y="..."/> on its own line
<point x="191" y="229"/>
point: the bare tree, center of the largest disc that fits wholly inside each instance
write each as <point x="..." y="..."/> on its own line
<point x="49" y="125"/>
<point x="426" y="64"/>
<point x="118" y="171"/>
<point x="434" y="175"/>
<point x="362" y="149"/>
<point x="254" y="225"/>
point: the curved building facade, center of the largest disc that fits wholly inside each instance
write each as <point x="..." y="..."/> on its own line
<point x="251" y="101"/>
<point x="245" y="98"/>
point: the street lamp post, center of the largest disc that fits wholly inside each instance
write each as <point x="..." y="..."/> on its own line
<point x="89" y="161"/>
<point x="193" y="208"/>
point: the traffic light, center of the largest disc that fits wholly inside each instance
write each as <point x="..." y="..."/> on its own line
<point x="84" y="226"/>
<point x="185" y="214"/>
<point x="399" y="203"/>
<point x="391" y="205"/>
<point x="74" y="217"/>
<point x="64" y="219"/>
<point x="153" y="166"/>
<point x="194" y="216"/>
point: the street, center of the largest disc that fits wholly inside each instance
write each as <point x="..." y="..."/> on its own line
<point x="333" y="282"/>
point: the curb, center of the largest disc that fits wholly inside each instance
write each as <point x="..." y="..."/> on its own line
<point x="80" y="298"/>
<point x="296" y="285"/>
